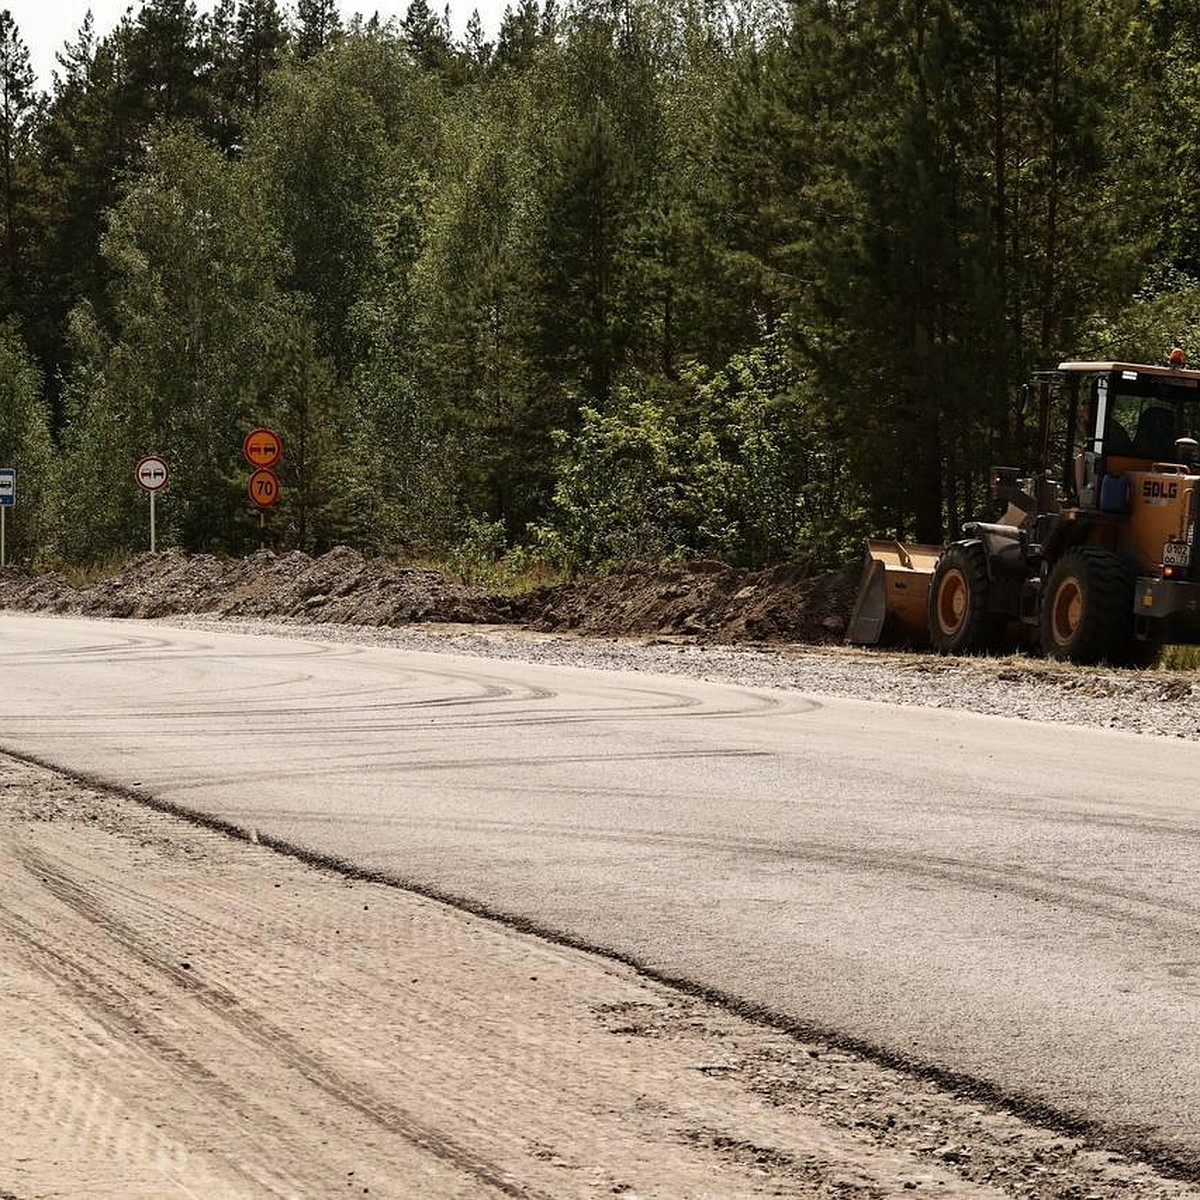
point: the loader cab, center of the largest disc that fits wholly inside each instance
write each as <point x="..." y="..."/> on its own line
<point x="1123" y="417"/>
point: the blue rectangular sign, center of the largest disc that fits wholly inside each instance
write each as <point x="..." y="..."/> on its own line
<point x="8" y="487"/>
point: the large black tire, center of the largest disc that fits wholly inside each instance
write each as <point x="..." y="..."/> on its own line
<point x="1143" y="654"/>
<point x="959" y="622"/>
<point x="1087" y="607"/>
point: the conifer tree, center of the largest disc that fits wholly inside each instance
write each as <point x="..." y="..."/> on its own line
<point x="318" y="25"/>
<point x="17" y="113"/>
<point x="261" y="39"/>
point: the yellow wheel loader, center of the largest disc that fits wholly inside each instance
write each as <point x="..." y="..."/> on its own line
<point x="1094" y="557"/>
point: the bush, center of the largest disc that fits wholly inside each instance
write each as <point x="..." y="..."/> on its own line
<point x="738" y="466"/>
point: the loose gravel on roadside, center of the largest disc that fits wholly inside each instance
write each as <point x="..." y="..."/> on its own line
<point x="1159" y="703"/>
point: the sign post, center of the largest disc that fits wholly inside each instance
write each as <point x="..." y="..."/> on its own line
<point x="262" y="449"/>
<point x="151" y="475"/>
<point x="8" y="497"/>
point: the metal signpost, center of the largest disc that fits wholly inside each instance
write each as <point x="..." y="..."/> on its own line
<point x="8" y="497"/>
<point x="151" y="476"/>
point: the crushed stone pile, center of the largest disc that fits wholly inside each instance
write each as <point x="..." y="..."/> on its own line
<point x="707" y="601"/>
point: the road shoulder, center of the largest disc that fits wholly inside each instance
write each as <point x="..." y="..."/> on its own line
<point x="187" y="1013"/>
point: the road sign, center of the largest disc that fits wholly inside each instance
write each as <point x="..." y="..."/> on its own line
<point x="151" y="473"/>
<point x="264" y="488"/>
<point x="151" y="476"/>
<point x="262" y="448"/>
<point x="8" y="497"/>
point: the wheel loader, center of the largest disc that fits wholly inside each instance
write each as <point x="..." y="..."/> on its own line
<point x="1094" y="557"/>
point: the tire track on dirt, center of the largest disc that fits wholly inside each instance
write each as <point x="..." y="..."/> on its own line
<point x="229" y="1008"/>
<point x="252" y="1026"/>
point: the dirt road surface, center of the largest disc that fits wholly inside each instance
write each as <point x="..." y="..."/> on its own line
<point x="187" y="1014"/>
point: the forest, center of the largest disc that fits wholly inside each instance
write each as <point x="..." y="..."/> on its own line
<point x="634" y="279"/>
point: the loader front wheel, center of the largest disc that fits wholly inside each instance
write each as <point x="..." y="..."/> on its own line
<point x="959" y="622"/>
<point x="1087" y="608"/>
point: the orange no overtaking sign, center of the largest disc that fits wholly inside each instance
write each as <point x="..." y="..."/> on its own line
<point x="262" y="448"/>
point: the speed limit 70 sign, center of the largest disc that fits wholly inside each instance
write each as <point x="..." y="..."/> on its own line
<point x="263" y="487"/>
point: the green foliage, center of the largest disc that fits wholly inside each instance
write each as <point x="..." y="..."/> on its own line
<point x="736" y="467"/>
<point x="1163" y="314"/>
<point x="97" y="511"/>
<point x="24" y="446"/>
<point x="483" y="557"/>
<point x="789" y="492"/>
<point x="319" y="155"/>
<point x="318" y="27"/>
<point x="645" y="280"/>
<point x="205" y="348"/>
<point x="483" y="544"/>
<point x="623" y="485"/>
<point x="302" y="400"/>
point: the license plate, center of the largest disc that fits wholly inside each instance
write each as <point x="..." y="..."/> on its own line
<point x="1176" y="554"/>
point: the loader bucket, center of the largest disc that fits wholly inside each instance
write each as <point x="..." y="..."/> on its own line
<point x="893" y="595"/>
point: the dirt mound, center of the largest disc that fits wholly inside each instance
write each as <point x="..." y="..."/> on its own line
<point x="707" y="600"/>
<point x="340" y="586"/>
<point x="711" y="600"/>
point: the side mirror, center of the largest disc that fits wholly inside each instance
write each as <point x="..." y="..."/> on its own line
<point x="1027" y="404"/>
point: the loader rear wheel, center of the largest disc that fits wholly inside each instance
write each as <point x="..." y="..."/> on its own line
<point x="959" y="622"/>
<point x="1087" y="608"/>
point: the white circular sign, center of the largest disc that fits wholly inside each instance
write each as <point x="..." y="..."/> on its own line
<point x="151" y="473"/>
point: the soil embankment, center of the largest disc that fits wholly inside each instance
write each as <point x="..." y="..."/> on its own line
<point x="702" y="600"/>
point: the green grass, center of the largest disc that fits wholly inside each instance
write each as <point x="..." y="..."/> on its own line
<point x="1179" y="658"/>
<point x="512" y="575"/>
<point x="81" y="575"/>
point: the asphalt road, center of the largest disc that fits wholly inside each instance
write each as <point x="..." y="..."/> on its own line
<point x="1015" y="903"/>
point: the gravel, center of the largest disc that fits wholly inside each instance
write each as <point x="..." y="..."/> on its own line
<point x="1159" y="703"/>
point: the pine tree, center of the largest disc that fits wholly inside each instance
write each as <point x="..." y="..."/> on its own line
<point x="520" y="32"/>
<point x="164" y="63"/>
<point x="87" y="139"/>
<point x="17" y="113"/>
<point x="261" y="39"/>
<point x="427" y="38"/>
<point x="476" y="48"/>
<point x="318" y="25"/>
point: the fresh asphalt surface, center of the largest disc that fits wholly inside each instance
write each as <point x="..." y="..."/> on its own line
<point x="1014" y="903"/>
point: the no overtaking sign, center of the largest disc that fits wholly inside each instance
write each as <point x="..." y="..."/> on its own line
<point x="151" y="473"/>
